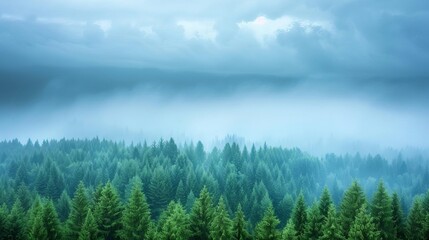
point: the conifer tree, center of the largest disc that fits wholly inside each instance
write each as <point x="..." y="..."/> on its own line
<point x="35" y="211"/>
<point x="202" y="216"/>
<point x="363" y="228"/>
<point x="63" y="206"/>
<point x="351" y="204"/>
<point x="289" y="232"/>
<point x="299" y="217"/>
<point x="151" y="234"/>
<point x="415" y="221"/>
<point x="38" y="230"/>
<point x="397" y="217"/>
<point x="108" y="213"/>
<point x="331" y="229"/>
<point x="176" y="226"/>
<point x="17" y="222"/>
<point x="266" y="229"/>
<point x="79" y="209"/>
<point x="89" y="229"/>
<point x="381" y="212"/>
<point x="51" y="221"/>
<point x="136" y="216"/>
<point x="314" y="224"/>
<point x="221" y="226"/>
<point x="3" y="221"/>
<point x="239" y="225"/>
<point x="324" y="204"/>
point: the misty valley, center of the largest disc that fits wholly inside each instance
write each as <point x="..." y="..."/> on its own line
<point x="101" y="189"/>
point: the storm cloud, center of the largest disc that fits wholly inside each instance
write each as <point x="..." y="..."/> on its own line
<point x="282" y="71"/>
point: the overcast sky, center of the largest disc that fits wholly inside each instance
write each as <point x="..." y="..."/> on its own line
<point x="303" y="73"/>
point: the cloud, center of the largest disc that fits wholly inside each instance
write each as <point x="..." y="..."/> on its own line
<point x="203" y="30"/>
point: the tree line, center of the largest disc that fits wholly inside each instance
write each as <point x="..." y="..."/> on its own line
<point x="165" y="191"/>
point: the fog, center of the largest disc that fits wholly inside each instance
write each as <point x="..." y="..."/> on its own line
<point x="299" y="74"/>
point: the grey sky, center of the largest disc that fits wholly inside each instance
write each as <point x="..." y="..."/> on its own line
<point x="355" y="70"/>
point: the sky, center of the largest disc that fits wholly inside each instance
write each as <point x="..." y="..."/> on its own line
<point x="314" y="74"/>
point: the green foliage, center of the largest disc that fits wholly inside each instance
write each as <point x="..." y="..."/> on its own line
<point x="363" y="228"/>
<point x="202" y="216"/>
<point x="221" y="226"/>
<point x="89" y="229"/>
<point x="397" y="217"/>
<point x="266" y="229"/>
<point x="381" y="212"/>
<point x="289" y="232"/>
<point x="63" y="206"/>
<point x="4" y="223"/>
<point x="314" y="224"/>
<point x="108" y="213"/>
<point x="416" y="221"/>
<point x="79" y="210"/>
<point x="331" y="229"/>
<point x="351" y="204"/>
<point x="51" y="221"/>
<point x="38" y="229"/>
<point x="176" y="225"/>
<point x="239" y="225"/>
<point x="136" y="216"/>
<point x="299" y="217"/>
<point x="324" y="204"/>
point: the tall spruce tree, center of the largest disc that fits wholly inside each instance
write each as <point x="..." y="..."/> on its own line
<point x="176" y="226"/>
<point x="289" y="232"/>
<point x="108" y="213"/>
<point x="313" y="228"/>
<point x="266" y="229"/>
<point x="397" y="217"/>
<point x="38" y="229"/>
<point x="324" y="204"/>
<point x="363" y="228"/>
<point x="202" y="216"/>
<point x="221" y="226"/>
<point x="299" y="217"/>
<point x="415" y="221"/>
<point x="136" y="216"/>
<point x="79" y="209"/>
<point x="89" y="229"/>
<point x="351" y="204"/>
<point x="239" y="225"/>
<point x="381" y="212"/>
<point x="3" y="221"/>
<point x="331" y="229"/>
<point x="51" y="221"/>
<point x="17" y="222"/>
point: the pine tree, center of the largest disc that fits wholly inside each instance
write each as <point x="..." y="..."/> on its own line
<point x="151" y="234"/>
<point x="17" y="222"/>
<point x="89" y="229"/>
<point x="397" y="217"/>
<point x="79" y="209"/>
<point x="51" y="221"/>
<point x="176" y="226"/>
<point x="289" y="232"/>
<point x="159" y="191"/>
<point x="314" y="224"/>
<point x="136" y="216"/>
<point x="266" y="229"/>
<point x="284" y="208"/>
<point x="363" y="228"/>
<point x="38" y="230"/>
<point x="299" y="217"/>
<point x="239" y="225"/>
<point x="351" y="204"/>
<point x="381" y="212"/>
<point x="331" y="229"/>
<point x="63" y="206"/>
<point x="221" y="226"/>
<point x="324" y="204"/>
<point x="415" y="221"/>
<point x="35" y="211"/>
<point x="202" y="216"/>
<point x="108" y="213"/>
<point x="3" y="221"/>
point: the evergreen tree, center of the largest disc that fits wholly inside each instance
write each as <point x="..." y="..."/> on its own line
<point x="397" y="217"/>
<point x="35" y="211"/>
<point x="136" y="216"/>
<point x="151" y="234"/>
<point x="324" y="204"/>
<point x="239" y="225"/>
<point x="266" y="229"/>
<point x="299" y="217"/>
<point x="38" y="229"/>
<point x="3" y="221"/>
<point x="202" y="216"/>
<point x="79" y="209"/>
<point x="176" y="226"/>
<point x="51" y="222"/>
<point x="108" y="213"/>
<point x="221" y="226"/>
<point x="381" y="212"/>
<point x="159" y="191"/>
<point x="289" y="232"/>
<point x="363" y="228"/>
<point x="351" y="204"/>
<point x="314" y="224"/>
<point x="17" y="222"/>
<point x="415" y="221"/>
<point x="63" y="206"/>
<point x="89" y="229"/>
<point x="284" y="208"/>
<point x="331" y="229"/>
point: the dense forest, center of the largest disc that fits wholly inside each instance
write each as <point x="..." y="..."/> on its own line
<point x="100" y="189"/>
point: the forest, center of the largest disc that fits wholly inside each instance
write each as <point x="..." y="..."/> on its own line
<point x="102" y="189"/>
